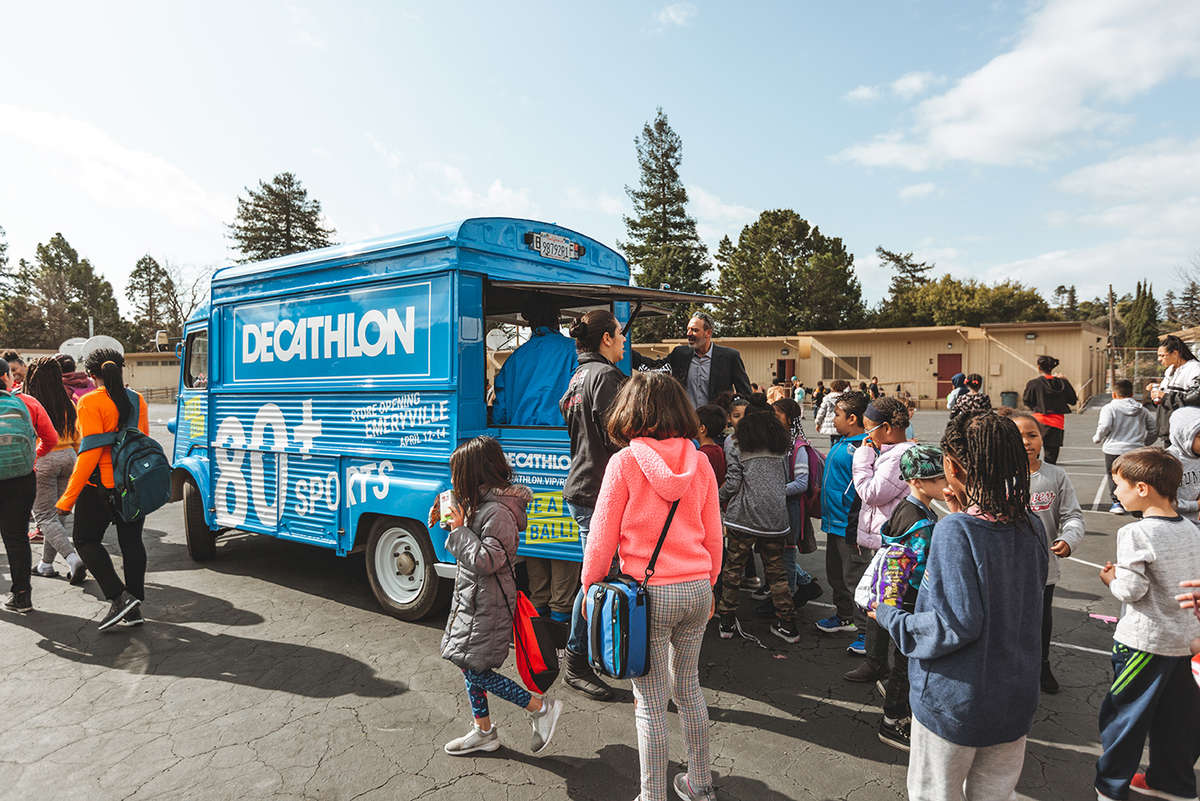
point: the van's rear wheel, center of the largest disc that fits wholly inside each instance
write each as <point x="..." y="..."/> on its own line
<point x="201" y="540"/>
<point x="400" y="570"/>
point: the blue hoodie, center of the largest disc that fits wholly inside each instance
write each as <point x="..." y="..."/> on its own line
<point x="973" y="641"/>
<point x="840" y="503"/>
<point x="533" y="378"/>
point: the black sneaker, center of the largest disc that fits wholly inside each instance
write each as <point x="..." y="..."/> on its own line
<point x="727" y="625"/>
<point x="807" y="592"/>
<point x="133" y="617"/>
<point x="785" y="630"/>
<point x="19" y="602"/>
<point x="897" y="733"/>
<point x="121" y="606"/>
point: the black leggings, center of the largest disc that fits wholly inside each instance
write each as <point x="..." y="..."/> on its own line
<point x="16" y="502"/>
<point x="93" y="513"/>
<point x="1052" y="442"/>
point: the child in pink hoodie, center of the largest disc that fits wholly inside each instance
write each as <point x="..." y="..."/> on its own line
<point x="881" y="489"/>
<point x="652" y="416"/>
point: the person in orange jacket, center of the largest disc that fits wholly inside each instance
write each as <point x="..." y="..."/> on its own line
<point x="101" y="411"/>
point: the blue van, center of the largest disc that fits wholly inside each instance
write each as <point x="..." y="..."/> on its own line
<point x="321" y="394"/>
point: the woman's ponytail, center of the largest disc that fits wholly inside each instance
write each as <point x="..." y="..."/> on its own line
<point x="107" y="364"/>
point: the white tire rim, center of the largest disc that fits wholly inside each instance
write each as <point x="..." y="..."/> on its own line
<point x="399" y="565"/>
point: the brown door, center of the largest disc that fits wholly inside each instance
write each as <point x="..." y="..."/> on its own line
<point x="785" y="369"/>
<point x="948" y="364"/>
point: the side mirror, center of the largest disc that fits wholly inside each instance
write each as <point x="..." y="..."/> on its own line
<point x="179" y="351"/>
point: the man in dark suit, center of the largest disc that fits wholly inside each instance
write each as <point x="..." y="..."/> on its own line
<point x="704" y="368"/>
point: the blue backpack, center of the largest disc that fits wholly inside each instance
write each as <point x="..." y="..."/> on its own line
<point x="17" y="437"/>
<point x="618" y="612"/>
<point x="141" y="472"/>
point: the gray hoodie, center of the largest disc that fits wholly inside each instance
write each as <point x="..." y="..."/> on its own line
<point x="755" y="489"/>
<point x="1125" y="424"/>
<point x="1185" y="425"/>
<point x="1052" y="498"/>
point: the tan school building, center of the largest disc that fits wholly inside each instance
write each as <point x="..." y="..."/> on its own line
<point x="921" y="360"/>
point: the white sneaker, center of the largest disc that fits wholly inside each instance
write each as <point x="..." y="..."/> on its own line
<point x="474" y="740"/>
<point x="543" y="722"/>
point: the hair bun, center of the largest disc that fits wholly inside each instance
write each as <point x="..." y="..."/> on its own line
<point x="579" y="329"/>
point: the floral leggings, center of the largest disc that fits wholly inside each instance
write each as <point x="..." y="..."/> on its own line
<point x="481" y="682"/>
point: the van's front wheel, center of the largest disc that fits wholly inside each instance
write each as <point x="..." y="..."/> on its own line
<point x="201" y="540"/>
<point x="400" y="570"/>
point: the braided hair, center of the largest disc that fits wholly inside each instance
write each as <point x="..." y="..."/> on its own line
<point x="989" y="449"/>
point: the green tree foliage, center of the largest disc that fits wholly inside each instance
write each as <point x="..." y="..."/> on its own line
<point x="786" y="276"/>
<point x="21" y="323"/>
<point x="1141" y="318"/>
<point x="278" y="219"/>
<point x="1187" y="306"/>
<point x="63" y="291"/>
<point x="950" y="301"/>
<point x="907" y="276"/>
<point x="662" y="245"/>
<point x="154" y="296"/>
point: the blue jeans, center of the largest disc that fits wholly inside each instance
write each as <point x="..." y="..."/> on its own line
<point x="796" y="575"/>
<point x="1156" y="696"/>
<point x="577" y="642"/>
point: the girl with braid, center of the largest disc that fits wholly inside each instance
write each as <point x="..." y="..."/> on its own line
<point x="973" y="641"/>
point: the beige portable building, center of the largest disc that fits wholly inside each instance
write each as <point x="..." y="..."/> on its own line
<point x="921" y="360"/>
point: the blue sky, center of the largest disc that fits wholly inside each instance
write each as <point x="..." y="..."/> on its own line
<point x="1054" y="142"/>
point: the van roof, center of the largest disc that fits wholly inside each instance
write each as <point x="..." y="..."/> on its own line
<point x="493" y="234"/>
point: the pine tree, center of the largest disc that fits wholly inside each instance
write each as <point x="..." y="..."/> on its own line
<point x="66" y="291"/>
<point x="1189" y="305"/>
<point x="907" y="276"/>
<point x="152" y="292"/>
<point x="278" y="219"/>
<point x="662" y="244"/>
<point x="21" y="323"/>
<point x="1141" y="319"/>
<point x="785" y="276"/>
<point x="1072" y="303"/>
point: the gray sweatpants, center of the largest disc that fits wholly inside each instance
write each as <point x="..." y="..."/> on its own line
<point x="678" y="617"/>
<point x="53" y="474"/>
<point x="939" y="770"/>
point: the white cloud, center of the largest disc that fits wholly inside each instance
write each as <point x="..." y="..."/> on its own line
<point x="1072" y="67"/>
<point x="609" y="205"/>
<point x="912" y="84"/>
<point x="863" y="94"/>
<point x="1167" y="167"/>
<point x="305" y="28"/>
<point x="496" y="199"/>
<point x="114" y="174"/>
<point x="677" y="14"/>
<point x="914" y="191"/>
<point x="716" y="218"/>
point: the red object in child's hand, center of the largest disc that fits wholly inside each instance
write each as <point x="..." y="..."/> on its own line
<point x="1196" y="668"/>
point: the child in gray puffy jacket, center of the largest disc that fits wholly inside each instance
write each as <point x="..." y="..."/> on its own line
<point x="756" y="513"/>
<point x="484" y="521"/>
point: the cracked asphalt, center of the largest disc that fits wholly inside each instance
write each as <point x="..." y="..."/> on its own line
<point x="269" y="673"/>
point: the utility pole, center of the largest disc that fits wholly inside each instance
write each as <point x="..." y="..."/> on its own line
<point x="1112" y="350"/>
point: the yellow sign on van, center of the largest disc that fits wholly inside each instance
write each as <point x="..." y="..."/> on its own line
<point x="549" y="520"/>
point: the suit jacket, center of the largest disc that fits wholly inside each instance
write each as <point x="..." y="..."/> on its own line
<point x="725" y="372"/>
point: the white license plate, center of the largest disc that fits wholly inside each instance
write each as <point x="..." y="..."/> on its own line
<point x="555" y="247"/>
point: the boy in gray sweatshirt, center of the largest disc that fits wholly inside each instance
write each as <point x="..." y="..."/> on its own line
<point x="1152" y="692"/>
<point x="1185" y="439"/>
<point x="1124" y="425"/>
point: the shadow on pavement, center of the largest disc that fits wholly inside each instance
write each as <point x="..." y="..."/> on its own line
<point x="167" y="649"/>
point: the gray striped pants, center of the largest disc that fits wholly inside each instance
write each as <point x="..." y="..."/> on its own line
<point x="53" y="475"/>
<point x="678" y="617"/>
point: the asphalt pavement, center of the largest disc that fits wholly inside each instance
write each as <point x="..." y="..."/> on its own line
<point x="269" y="673"/>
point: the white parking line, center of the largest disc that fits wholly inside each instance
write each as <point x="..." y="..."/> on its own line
<point x="1099" y="495"/>
<point x="1080" y="648"/>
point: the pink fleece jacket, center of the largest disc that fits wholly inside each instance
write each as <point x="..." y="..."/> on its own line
<point x="880" y="487"/>
<point x="640" y="483"/>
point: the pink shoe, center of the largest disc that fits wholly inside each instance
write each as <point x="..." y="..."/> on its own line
<point x="1138" y="783"/>
<point x="36" y="535"/>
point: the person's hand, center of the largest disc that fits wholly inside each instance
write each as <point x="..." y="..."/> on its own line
<point x="1190" y="600"/>
<point x="712" y="610"/>
<point x="871" y="614"/>
<point x="951" y="499"/>
<point x="1060" y="548"/>
<point x="456" y="516"/>
<point x="1108" y="573"/>
<point x="435" y="514"/>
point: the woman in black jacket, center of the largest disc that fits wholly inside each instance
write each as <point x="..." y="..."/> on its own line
<point x="1050" y="397"/>
<point x="590" y="393"/>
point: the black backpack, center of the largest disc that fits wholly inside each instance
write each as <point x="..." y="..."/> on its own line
<point x="141" y="472"/>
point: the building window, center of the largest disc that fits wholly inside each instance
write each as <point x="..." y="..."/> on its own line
<point x="850" y="368"/>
